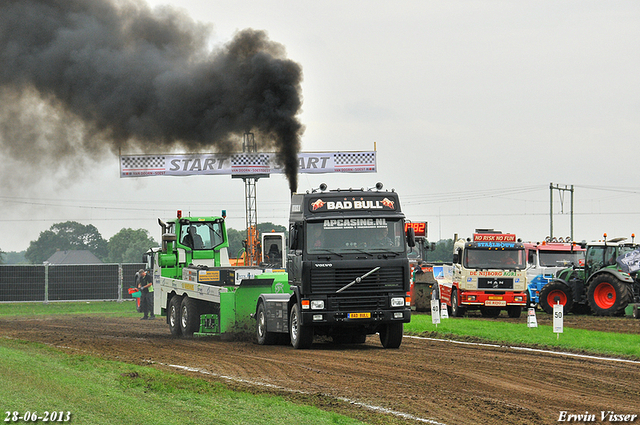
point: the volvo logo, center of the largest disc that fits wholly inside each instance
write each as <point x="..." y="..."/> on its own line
<point x="323" y="264"/>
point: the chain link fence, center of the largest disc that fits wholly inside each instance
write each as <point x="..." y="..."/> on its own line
<point x="86" y="282"/>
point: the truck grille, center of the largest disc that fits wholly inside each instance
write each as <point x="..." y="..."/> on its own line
<point x="359" y="303"/>
<point x="384" y="280"/>
<point x="495" y="283"/>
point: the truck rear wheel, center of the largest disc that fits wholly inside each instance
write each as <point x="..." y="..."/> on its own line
<point x="264" y="337"/>
<point x="391" y="335"/>
<point x="607" y="295"/>
<point x="301" y="336"/>
<point x="553" y="293"/>
<point x="189" y="316"/>
<point x="174" y="316"/>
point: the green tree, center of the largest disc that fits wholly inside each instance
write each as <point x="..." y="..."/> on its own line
<point x="128" y="245"/>
<point x="67" y="236"/>
<point x="2" y="253"/>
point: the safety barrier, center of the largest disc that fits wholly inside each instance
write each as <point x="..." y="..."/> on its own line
<point x="64" y="282"/>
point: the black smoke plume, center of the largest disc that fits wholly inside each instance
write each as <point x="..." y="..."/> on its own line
<point x="80" y="78"/>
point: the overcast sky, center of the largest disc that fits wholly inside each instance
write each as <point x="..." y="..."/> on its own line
<point x="474" y="107"/>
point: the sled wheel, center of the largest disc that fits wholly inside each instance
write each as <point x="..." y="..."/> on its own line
<point x="189" y="316"/>
<point x="174" y="316"/>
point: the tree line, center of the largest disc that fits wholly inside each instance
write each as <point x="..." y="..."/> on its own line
<point x="128" y="245"/>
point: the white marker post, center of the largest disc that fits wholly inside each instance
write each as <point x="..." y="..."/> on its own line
<point x="532" y="322"/>
<point x="444" y="312"/>
<point x="435" y="312"/>
<point x="558" y="311"/>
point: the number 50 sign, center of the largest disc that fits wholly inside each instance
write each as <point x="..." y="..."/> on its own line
<point x="557" y="318"/>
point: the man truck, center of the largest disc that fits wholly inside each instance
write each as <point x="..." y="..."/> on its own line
<point x="347" y="274"/>
<point x="488" y="274"/>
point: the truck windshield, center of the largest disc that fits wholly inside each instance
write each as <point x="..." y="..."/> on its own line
<point x="561" y="258"/>
<point x="201" y="235"/>
<point x="355" y="235"/>
<point x="512" y="259"/>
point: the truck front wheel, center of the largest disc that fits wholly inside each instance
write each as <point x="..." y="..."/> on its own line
<point x="514" y="311"/>
<point x="553" y="293"/>
<point x="189" y="316"/>
<point x="456" y="309"/>
<point x="174" y="316"/>
<point x="301" y="336"/>
<point x="264" y="337"/>
<point x="607" y="295"/>
<point x="391" y="335"/>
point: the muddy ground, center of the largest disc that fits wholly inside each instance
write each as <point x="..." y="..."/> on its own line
<point x="425" y="381"/>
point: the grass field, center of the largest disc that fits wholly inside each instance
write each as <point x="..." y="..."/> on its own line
<point x="37" y="378"/>
<point x="88" y="390"/>
<point x="608" y="343"/>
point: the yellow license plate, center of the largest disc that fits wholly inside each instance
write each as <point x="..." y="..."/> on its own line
<point x="495" y="298"/>
<point x="359" y="315"/>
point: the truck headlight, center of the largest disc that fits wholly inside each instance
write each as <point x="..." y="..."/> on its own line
<point x="518" y="299"/>
<point x="317" y="304"/>
<point x="397" y="302"/>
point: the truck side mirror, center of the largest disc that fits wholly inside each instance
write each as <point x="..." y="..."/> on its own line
<point x="455" y="258"/>
<point x="411" y="237"/>
<point x="293" y="238"/>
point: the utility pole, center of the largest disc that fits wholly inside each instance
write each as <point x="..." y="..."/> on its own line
<point x="560" y="190"/>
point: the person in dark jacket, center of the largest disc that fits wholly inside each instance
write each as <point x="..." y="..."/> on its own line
<point x="145" y="283"/>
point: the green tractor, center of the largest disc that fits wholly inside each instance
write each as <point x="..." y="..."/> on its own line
<point x="600" y="286"/>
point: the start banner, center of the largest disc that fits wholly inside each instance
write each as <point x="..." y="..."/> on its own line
<point x="244" y="164"/>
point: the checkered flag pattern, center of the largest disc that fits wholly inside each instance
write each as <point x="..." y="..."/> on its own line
<point x="244" y="160"/>
<point x="142" y="162"/>
<point x="355" y="158"/>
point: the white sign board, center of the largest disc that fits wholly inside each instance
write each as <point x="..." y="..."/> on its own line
<point x="532" y="322"/>
<point x="444" y="313"/>
<point x="558" y="311"/>
<point x="435" y="311"/>
<point x="244" y="164"/>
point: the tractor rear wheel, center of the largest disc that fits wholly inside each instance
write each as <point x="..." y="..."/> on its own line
<point x="607" y="295"/>
<point x="553" y="293"/>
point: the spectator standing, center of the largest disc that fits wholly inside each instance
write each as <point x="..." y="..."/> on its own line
<point x="145" y="283"/>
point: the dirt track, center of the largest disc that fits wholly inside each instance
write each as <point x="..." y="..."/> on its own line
<point x="431" y="380"/>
